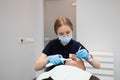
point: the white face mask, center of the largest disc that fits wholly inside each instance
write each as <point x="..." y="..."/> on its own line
<point x="65" y="40"/>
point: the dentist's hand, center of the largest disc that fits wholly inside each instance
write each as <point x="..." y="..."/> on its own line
<point x="82" y="54"/>
<point x="55" y="59"/>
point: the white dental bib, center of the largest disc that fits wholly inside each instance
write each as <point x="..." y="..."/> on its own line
<point x="65" y="72"/>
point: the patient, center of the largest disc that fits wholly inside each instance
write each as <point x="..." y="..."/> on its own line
<point x="79" y="63"/>
<point x="73" y="68"/>
<point x="73" y="61"/>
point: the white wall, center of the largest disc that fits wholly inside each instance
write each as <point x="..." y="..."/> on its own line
<point x="98" y="27"/>
<point x="20" y="18"/>
<point x="39" y="30"/>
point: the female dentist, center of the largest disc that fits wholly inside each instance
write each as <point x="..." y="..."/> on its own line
<point x="63" y="46"/>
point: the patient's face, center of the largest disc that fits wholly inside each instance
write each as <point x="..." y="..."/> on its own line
<point x="75" y="62"/>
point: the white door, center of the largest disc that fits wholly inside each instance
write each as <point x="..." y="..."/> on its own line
<point x="54" y="9"/>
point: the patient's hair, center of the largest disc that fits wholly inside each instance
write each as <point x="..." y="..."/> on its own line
<point x="49" y="78"/>
<point x="94" y="78"/>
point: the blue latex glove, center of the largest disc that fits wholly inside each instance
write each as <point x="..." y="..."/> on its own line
<point x="55" y="59"/>
<point x="82" y="54"/>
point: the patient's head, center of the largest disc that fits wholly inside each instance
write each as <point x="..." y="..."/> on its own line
<point x="75" y="62"/>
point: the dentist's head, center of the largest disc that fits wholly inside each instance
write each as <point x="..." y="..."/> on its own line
<point x="63" y="27"/>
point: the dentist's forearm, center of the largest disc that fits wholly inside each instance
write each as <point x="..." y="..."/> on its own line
<point x="95" y="63"/>
<point x="40" y="64"/>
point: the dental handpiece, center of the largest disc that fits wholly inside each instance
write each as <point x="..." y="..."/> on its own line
<point x="50" y="64"/>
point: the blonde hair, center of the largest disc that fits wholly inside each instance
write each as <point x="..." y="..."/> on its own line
<point x="62" y="21"/>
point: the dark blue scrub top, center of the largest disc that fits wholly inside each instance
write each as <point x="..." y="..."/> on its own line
<point x="55" y="47"/>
